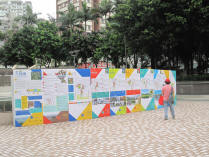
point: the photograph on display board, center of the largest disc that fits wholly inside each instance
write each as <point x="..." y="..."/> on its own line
<point x="100" y="107"/>
<point x="133" y="101"/>
<point x="117" y="103"/>
<point x="36" y="74"/>
<point x="147" y="99"/>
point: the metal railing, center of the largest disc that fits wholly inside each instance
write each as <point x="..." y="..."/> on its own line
<point x="5" y="104"/>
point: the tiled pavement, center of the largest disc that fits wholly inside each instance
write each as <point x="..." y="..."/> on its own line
<point x="135" y="134"/>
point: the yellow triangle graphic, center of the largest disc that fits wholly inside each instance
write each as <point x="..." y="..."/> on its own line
<point x="87" y="113"/>
<point x="121" y="110"/>
<point x="112" y="73"/>
<point x="138" y="108"/>
<point x="155" y="107"/>
<point x="34" y="119"/>
<point x="129" y="72"/>
<point x="166" y="73"/>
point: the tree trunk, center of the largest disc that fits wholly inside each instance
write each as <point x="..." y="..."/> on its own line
<point x="135" y="60"/>
<point x="177" y="61"/>
<point x="107" y="62"/>
<point x="55" y="63"/>
<point x="191" y="65"/>
<point x="186" y="66"/>
<point x="153" y="62"/>
<point x="85" y="26"/>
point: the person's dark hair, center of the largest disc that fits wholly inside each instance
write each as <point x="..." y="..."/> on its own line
<point x="167" y="81"/>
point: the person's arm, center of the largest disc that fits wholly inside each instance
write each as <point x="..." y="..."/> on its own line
<point x="173" y="91"/>
<point x="162" y="92"/>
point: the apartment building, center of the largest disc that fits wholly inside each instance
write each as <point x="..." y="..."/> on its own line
<point x="9" y="9"/>
<point x="62" y="6"/>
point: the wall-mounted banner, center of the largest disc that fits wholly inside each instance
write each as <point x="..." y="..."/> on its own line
<point x="44" y="96"/>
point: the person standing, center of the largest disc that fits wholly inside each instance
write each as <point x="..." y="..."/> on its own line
<point x="168" y="94"/>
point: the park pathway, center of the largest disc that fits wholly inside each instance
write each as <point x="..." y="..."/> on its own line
<point x="135" y="134"/>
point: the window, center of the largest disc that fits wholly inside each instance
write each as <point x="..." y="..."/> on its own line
<point x="102" y="21"/>
<point x="88" y="27"/>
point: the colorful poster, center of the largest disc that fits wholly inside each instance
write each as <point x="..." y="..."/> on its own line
<point x="80" y="111"/>
<point x="147" y="76"/>
<point x="117" y="102"/>
<point x="117" y="79"/>
<point x="100" y="93"/>
<point x="55" y="96"/>
<point x="132" y="79"/>
<point x="82" y="85"/>
<point x="157" y="97"/>
<point x="27" y="97"/>
<point x="133" y="101"/>
<point x="172" y="77"/>
<point x="147" y="99"/>
<point x="71" y="85"/>
<point x="159" y="79"/>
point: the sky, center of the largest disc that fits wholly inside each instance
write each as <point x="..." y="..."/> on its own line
<point x="44" y="7"/>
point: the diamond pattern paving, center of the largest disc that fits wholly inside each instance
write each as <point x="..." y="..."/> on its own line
<point x="135" y="134"/>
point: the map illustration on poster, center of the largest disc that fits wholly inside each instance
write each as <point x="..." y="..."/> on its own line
<point x="44" y="96"/>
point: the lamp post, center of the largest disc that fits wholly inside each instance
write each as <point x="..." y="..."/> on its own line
<point x="74" y="54"/>
<point x="125" y="50"/>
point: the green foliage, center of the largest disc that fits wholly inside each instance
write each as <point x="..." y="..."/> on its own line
<point x="29" y="18"/>
<point x="47" y="43"/>
<point x="163" y="34"/>
<point x="19" y="48"/>
<point x="30" y="43"/>
<point x="202" y="77"/>
<point x="168" y="31"/>
<point x="105" y="8"/>
<point x="2" y="36"/>
<point x="86" y="14"/>
<point x="69" y="20"/>
<point x="110" y="48"/>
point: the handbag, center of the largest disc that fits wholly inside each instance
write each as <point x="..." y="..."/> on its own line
<point x="161" y="100"/>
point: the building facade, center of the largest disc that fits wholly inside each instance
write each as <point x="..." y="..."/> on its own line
<point x="9" y="10"/>
<point x="62" y="6"/>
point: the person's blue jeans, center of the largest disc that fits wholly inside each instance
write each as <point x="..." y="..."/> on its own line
<point x="166" y="105"/>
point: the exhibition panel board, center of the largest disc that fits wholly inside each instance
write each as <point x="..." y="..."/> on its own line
<point x="44" y="96"/>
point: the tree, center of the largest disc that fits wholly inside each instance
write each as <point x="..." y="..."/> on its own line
<point x="105" y="8"/>
<point x="47" y="43"/>
<point x="19" y="48"/>
<point x="69" y="20"/>
<point x="110" y="48"/>
<point x="167" y="31"/>
<point x="29" y="18"/>
<point x="86" y="14"/>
